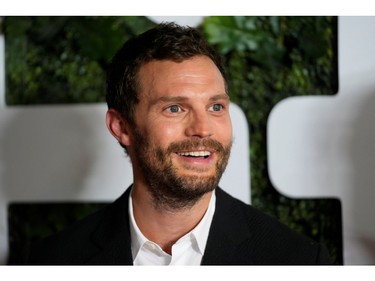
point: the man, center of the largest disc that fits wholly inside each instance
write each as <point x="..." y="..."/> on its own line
<point x="168" y="107"/>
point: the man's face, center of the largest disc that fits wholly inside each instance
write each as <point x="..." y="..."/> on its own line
<point x="183" y="130"/>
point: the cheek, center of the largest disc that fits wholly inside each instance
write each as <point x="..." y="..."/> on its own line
<point x="164" y="133"/>
<point x="224" y="130"/>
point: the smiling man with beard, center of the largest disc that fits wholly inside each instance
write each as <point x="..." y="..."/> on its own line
<point x="168" y="107"/>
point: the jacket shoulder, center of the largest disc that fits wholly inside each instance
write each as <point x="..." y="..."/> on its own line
<point x="70" y="246"/>
<point x="261" y="239"/>
<point x="101" y="238"/>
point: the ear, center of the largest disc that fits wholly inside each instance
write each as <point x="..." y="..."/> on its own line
<point x="118" y="127"/>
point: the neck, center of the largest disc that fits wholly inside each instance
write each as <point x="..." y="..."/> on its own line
<point x="165" y="226"/>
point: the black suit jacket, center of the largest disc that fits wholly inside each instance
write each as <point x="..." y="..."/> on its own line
<point x="239" y="235"/>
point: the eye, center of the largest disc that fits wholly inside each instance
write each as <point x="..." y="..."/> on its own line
<point x="173" y="109"/>
<point x="216" y="107"/>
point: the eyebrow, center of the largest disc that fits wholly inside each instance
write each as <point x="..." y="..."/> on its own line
<point x="220" y="97"/>
<point x="172" y="98"/>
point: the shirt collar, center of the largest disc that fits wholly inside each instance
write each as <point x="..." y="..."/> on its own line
<point x="136" y="236"/>
<point x="199" y="233"/>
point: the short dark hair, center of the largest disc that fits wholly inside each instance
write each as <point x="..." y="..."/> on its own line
<point x="166" y="41"/>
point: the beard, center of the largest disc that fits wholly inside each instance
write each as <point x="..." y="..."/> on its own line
<point x="171" y="191"/>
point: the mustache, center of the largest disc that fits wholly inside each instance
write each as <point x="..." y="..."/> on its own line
<point x="194" y="144"/>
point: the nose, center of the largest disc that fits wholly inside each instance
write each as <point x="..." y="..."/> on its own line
<point x="199" y="125"/>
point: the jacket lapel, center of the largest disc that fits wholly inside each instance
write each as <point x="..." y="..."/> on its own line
<point x="227" y="234"/>
<point x="112" y="236"/>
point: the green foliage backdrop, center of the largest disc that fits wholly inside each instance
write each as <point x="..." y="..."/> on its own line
<point x="63" y="60"/>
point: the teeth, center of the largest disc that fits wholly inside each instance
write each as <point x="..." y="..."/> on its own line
<point x="195" y="153"/>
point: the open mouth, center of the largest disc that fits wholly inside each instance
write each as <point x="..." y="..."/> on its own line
<point x="195" y="154"/>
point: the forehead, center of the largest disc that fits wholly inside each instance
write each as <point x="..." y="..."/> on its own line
<point x="197" y="72"/>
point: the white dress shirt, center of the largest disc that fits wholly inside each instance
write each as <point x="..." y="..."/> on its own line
<point x="188" y="250"/>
